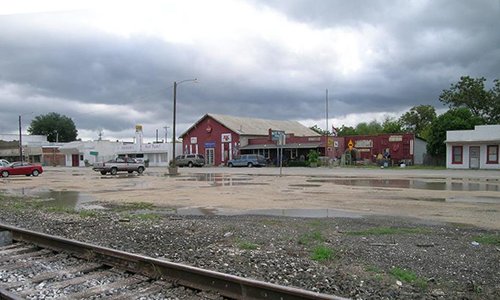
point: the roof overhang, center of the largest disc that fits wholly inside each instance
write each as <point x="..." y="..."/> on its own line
<point x="286" y="146"/>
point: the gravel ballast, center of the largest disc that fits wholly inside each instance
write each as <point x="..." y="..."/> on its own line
<point x="373" y="257"/>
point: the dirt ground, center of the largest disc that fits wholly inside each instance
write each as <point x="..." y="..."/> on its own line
<point x="455" y="196"/>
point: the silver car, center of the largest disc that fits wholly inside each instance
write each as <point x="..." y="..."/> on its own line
<point x="190" y="160"/>
<point x="248" y="160"/>
<point x="4" y="163"/>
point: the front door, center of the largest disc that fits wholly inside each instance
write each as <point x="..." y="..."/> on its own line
<point x="75" y="160"/>
<point x="209" y="156"/>
<point x="474" y="157"/>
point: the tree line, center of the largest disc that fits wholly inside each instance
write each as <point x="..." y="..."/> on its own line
<point x="469" y="102"/>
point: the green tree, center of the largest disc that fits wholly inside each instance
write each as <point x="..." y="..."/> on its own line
<point x="391" y="125"/>
<point x="418" y="119"/>
<point x="364" y="128"/>
<point x="454" y="119"/>
<point x="347" y="130"/>
<point x="495" y="103"/>
<point x="55" y="127"/>
<point x="470" y="93"/>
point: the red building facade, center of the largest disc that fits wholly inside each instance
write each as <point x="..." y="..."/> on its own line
<point x="213" y="140"/>
<point x="221" y="138"/>
<point x="395" y="147"/>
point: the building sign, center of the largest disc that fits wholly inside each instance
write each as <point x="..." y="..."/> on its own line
<point x="94" y="153"/>
<point x="314" y="139"/>
<point x="210" y="145"/>
<point x="395" y="138"/>
<point x="226" y="137"/>
<point x="350" y="144"/>
<point x="276" y="134"/>
<point x="330" y="143"/>
<point x="194" y="140"/>
<point x="364" y="144"/>
<point x="336" y="144"/>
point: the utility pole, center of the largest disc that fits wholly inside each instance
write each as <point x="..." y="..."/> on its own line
<point x="326" y="131"/>
<point x="20" y="141"/>
<point x="174" y="166"/>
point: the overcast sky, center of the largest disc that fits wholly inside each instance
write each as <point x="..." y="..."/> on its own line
<point x="111" y="66"/>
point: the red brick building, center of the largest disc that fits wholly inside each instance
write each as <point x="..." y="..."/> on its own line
<point x="220" y="138"/>
<point x="403" y="147"/>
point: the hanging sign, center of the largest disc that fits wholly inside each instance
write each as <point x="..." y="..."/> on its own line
<point x="226" y="137"/>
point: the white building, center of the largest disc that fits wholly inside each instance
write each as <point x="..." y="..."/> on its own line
<point x="85" y="153"/>
<point x="156" y="154"/>
<point x="473" y="149"/>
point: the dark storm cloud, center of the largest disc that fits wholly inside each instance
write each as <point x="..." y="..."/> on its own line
<point x="429" y="43"/>
<point x="56" y="62"/>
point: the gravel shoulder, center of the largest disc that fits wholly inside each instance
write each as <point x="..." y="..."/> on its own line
<point x="386" y="253"/>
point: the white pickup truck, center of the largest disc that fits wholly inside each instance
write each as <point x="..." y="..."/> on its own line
<point x="119" y="164"/>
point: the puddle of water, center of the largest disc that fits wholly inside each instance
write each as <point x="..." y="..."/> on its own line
<point x="414" y="184"/>
<point x="221" y="179"/>
<point x="303" y="213"/>
<point x="479" y="199"/>
<point x="59" y="199"/>
<point x="305" y="185"/>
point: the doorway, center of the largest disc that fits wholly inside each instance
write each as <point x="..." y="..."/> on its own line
<point x="75" y="160"/>
<point x="209" y="156"/>
<point x="474" y="161"/>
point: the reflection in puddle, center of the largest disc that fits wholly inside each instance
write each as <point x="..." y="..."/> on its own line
<point x="414" y="184"/>
<point x="59" y="199"/>
<point x="302" y="213"/>
<point x="221" y="179"/>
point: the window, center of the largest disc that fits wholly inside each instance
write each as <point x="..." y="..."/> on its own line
<point x="456" y="152"/>
<point x="492" y="154"/>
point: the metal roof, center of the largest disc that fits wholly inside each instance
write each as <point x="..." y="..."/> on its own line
<point x="255" y="126"/>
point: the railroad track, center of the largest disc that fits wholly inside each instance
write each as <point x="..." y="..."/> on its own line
<point x="39" y="266"/>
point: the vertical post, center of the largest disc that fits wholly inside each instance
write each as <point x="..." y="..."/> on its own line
<point x="157" y="135"/>
<point x="20" y="141"/>
<point x="326" y="131"/>
<point x="174" y="165"/>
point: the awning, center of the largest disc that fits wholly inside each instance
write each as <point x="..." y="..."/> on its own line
<point x="286" y="146"/>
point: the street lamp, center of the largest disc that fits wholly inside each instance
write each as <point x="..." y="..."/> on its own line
<point x="173" y="170"/>
<point x="21" y="156"/>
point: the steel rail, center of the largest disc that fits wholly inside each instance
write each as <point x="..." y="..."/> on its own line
<point x="226" y="285"/>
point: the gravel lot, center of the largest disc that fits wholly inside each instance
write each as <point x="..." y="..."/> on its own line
<point x="370" y="255"/>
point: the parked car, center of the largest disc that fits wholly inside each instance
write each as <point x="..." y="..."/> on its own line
<point x="4" y="162"/>
<point x="190" y="160"/>
<point x="248" y="160"/>
<point x="21" y="168"/>
<point x="119" y="164"/>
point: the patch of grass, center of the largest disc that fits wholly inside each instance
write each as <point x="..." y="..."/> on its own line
<point x="389" y="230"/>
<point x="311" y="237"/>
<point x="403" y="274"/>
<point x="322" y="253"/>
<point x="489" y="239"/>
<point x="87" y="214"/>
<point x="244" y="245"/>
<point x="147" y="216"/>
<point x="60" y="210"/>
<point x="373" y="269"/>
<point x="134" y="206"/>
<point x="408" y="276"/>
<point x="317" y="224"/>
